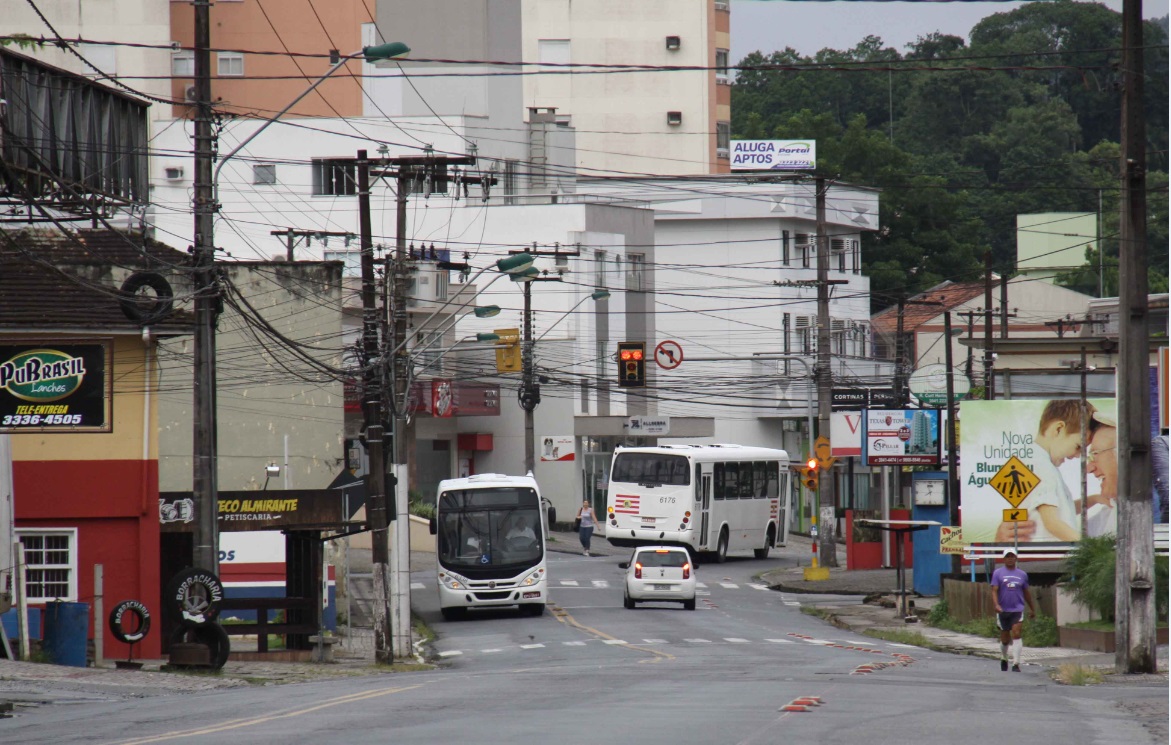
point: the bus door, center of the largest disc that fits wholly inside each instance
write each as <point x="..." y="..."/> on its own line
<point x="703" y="482"/>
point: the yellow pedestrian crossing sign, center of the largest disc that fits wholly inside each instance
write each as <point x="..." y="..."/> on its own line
<point x="1014" y="481"/>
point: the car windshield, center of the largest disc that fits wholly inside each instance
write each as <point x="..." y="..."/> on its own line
<point x="662" y="558"/>
<point x="486" y="528"/>
<point x="650" y="468"/>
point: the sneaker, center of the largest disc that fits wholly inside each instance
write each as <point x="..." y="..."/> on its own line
<point x="585" y="553"/>
<point x="1004" y="666"/>
<point x="1016" y="668"/>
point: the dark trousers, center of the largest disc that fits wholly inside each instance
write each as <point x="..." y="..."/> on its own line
<point x="585" y="533"/>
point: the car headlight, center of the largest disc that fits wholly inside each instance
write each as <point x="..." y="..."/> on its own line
<point x="453" y="581"/>
<point x="532" y="579"/>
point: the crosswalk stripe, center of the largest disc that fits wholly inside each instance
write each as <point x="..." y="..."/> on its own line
<point x="757" y="587"/>
<point x="418" y="586"/>
<point x="654" y="641"/>
<point x="780" y="641"/>
<point x="612" y="641"/>
<point x="569" y="582"/>
<point x="730" y="585"/>
<point x="490" y="651"/>
<point x="701" y="585"/>
<point x="698" y="641"/>
<point x="600" y="583"/>
<point x="735" y="640"/>
<point x="532" y="646"/>
<point x="450" y="653"/>
<point x="574" y="644"/>
<point x="697" y="592"/>
<point x="791" y="602"/>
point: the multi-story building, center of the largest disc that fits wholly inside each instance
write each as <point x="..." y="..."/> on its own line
<point x="612" y="68"/>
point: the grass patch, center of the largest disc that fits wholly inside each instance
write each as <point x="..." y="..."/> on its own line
<point x="1074" y="674"/>
<point x="1038" y="632"/>
<point x="1100" y="625"/>
<point x="421" y="629"/>
<point x="900" y="636"/>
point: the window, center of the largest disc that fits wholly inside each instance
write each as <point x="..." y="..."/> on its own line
<point x="805" y="247"/>
<point x="723" y="138"/>
<point x="600" y="270"/>
<point x="602" y="358"/>
<point x="50" y="558"/>
<point x="842" y="261"/>
<point x="334" y="177"/>
<point x="634" y="278"/>
<point x="441" y="281"/>
<point x="351" y="261"/>
<point x="785" y="247"/>
<point x="510" y="182"/>
<point x="650" y="468"/>
<point x="855" y="257"/>
<point x="230" y="64"/>
<point x="264" y="173"/>
<point x="722" y="76"/>
<point x="183" y="63"/>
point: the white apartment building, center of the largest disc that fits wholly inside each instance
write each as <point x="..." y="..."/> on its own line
<point x="633" y="121"/>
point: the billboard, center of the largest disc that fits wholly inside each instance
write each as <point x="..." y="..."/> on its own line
<point x="901" y="437"/>
<point x="1020" y="467"/>
<point x="54" y="387"/>
<point x="845" y="434"/>
<point x="773" y="155"/>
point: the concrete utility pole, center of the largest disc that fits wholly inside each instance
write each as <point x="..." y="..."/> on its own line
<point x="372" y="408"/>
<point x="204" y="462"/>
<point x="1134" y="607"/>
<point x="827" y="545"/>
<point x="989" y="375"/>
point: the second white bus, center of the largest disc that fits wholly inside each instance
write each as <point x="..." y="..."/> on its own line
<point x="709" y="498"/>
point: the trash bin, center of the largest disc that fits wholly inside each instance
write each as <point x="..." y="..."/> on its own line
<point x="66" y="633"/>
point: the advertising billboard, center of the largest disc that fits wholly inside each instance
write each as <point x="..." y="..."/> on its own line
<point x="55" y="387"/>
<point x="773" y="155"/>
<point x="901" y="437"/>
<point x="1020" y="467"/>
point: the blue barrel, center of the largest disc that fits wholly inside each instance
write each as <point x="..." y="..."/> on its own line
<point x="66" y="633"/>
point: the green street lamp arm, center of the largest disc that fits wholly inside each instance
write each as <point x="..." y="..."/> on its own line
<point x="369" y="54"/>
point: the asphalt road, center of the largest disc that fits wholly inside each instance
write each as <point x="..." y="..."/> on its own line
<point x="590" y="671"/>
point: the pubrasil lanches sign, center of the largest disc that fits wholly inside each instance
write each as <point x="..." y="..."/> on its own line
<point x="46" y="388"/>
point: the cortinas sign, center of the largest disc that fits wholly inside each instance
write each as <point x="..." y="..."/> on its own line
<point x="55" y="388"/>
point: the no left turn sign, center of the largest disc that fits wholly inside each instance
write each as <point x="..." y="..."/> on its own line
<point x="668" y="355"/>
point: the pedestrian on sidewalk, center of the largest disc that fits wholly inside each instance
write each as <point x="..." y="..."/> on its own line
<point x="585" y="529"/>
<point x="1010" y="594"/>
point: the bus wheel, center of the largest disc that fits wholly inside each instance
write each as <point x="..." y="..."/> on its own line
<point x="762" y="553"/>
<point x="453" y="614"/>
<point x="722" y="547"/>
<point x="535" y="609"/>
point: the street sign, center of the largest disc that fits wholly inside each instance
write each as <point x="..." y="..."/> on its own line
<point x="1014" y="481"/>
<point x="1015" y="515"/>
<point x="668" y="354"/>
<point x="929" y="385"/>
<point x="823" y="453"/>
<point x="951" y="540"/>
<point x="849" y="399"/>
<point x="648" y="426"/>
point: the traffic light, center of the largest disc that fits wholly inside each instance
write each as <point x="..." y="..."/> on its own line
<point x="508" y="357"/>
<point x="631" y="364"/>
<point x="809" y="475"/>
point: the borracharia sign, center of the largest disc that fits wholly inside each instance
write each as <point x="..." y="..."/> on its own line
<point x="55" y="387"/>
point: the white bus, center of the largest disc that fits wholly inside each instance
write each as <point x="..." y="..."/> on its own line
<point x="709" y="498"/>
<point x="490" y="544"/>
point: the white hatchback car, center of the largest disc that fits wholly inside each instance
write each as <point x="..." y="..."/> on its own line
<point x="660" y="574"/>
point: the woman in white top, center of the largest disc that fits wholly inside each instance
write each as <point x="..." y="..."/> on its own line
<point x="586" y="527"/>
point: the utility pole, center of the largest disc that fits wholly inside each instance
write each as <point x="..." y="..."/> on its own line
<point x="1134" y="607"/>
<point x="953" y="479"/>
<point x="292" y="236"/>
<point x="827" y="514"/>
<point x="989" y="375"/>
<point x="204" y="462"/>
<point x="372" y="370"/>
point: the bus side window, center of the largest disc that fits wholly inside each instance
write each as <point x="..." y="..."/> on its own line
<point x="773" y="488"/>
<point x="760" y="479"/>
<point x="746" y="480"/>
<point x="718" y="475"/>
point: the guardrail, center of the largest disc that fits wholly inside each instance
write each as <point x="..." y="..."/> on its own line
<point x="976" y="552"/>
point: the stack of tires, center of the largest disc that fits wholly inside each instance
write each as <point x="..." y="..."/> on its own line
<point x="197" y="595"/>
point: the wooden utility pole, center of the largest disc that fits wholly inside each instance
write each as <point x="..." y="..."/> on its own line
<point x="372" y="408"/>
<point x="827" y="513"/>
<point x="1134" y="608"/>
<point x="204" y="462"/>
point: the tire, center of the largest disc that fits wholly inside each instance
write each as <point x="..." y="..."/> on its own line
<point x="118" y="616"/>
<point x="196" y="595"/>
<point x="627" y="602"/>
<point x="689" y="604"/>
<point x="762" y="553"/>
<point x="722" y="548"/>
<point x="454" y="614"/>
<point x="210" y="634"/>
<point x="141" y="308"/>
<point x="536" y="610"/>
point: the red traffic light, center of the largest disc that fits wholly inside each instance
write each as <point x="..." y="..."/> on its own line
<point x="631" y="354"/>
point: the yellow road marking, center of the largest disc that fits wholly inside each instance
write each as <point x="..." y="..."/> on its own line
<point x="279" y="714"/>
<point x="564" y="617"/>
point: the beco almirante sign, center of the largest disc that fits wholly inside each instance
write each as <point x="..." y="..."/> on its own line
<point x="54" y="387"/>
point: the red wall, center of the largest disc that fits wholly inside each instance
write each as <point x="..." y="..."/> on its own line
<point x="114" y="506"/>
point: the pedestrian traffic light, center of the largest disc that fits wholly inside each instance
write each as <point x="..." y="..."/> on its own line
<point x="631" y="364"/>
<point x="508" y="357"/>
<point x="809" y="475"/>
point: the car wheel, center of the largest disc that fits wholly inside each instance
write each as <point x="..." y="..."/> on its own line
<point x="689" y="604"/>
<point x="535" y="609"/>
<point x="722" y="548"/>
<point x="453" y="614"/>
<point x="626" y="601"/>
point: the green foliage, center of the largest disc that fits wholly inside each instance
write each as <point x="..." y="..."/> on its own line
<point x="938" y="614"/>
<point x="1091" y="574"/>
<point x="1040" y="631"/>
<point x="1036" y="632"/>
<point x="421" y="509"/>
<point x="1074" y="674"/>
<point x="960" y="153"/>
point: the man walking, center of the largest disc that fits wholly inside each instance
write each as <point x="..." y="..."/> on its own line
<point x="1010" y="593"/>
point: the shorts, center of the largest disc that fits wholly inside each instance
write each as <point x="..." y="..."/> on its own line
<point x="1005" y="621"/>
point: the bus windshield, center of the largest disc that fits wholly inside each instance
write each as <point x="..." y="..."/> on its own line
<point x="489" y="528"/>
<point x="651" y="469"/>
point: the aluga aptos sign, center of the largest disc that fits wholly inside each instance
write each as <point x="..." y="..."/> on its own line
<point x="773" y="155"/>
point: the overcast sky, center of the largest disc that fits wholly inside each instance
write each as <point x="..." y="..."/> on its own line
<point x="808" y="27"/>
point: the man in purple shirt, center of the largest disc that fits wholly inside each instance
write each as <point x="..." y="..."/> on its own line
<point x="1010" y="593"/>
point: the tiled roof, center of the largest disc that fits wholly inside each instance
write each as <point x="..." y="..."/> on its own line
<point x="52" y="279"/>
<point x="949" y="295"/>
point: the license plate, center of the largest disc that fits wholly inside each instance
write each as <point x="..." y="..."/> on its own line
<point x="648" y="521"/>
<point x="662" y="588"/>
<point x="528" y="595"/>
